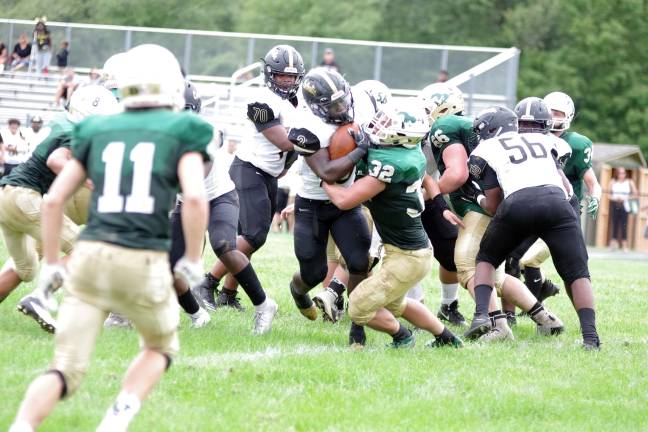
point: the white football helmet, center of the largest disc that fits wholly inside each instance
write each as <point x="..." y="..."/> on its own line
<point x="441" y="99"/>
<point x="403" y="124"/>
<point x="150" y="77"/>
<point x="89" y="100"/>
<point x="110" y="69"/>
<point x="377" y="90"/>
<point x="559" y="101"/>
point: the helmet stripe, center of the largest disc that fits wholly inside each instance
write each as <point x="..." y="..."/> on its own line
<point x="290" y="58"/>
<point x="328" y="80"/>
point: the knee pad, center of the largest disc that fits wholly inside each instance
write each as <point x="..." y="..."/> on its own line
<point x="71" y="375"/>
<point x="312" y="275"/>
<point x="257" y="240"/>
<point x="358" y="263"/>
<point x="58" y="373"/>
<point x="223" y="246"/>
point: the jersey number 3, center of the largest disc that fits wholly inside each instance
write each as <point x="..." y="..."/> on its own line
<point x="140" y="199"/>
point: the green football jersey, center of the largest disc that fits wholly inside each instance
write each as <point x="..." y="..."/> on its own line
<point x="397" y="209"/>
<point x="132" y="159"/>
<point x="579" y="161"/>
<point x="446" y="131"/>
<point x="34" y="173"/>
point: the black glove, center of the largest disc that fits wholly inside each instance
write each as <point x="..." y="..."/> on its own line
<point x="471" y="192"/>
<point x="261" y="115"/>
<point x="306" y="143"/>
<point x="362" y="142"/>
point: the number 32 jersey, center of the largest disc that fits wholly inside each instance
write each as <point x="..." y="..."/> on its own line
<point x="520" y="160"/>
<point x="132" y="159"/>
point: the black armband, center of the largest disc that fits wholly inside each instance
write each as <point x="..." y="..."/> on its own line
<point x="438" y="203"/>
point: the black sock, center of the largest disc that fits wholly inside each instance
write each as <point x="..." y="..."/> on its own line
<point x="446" y="335"/>
<point x="212" y="281"/>
<point x="533" y="280"/>
<point x="357" y="334"/>
<point x="249" y="281"/>
<point x="337" y="286"/>
<point x="587" y="318"/>
<point x="535" y="309"/>
<point x="402" y="333"/>
<point x="188" y="302"/>
<point x="482" y="298"/>
<point x="303" y="301"/>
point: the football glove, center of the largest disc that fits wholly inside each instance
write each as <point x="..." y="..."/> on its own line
<point x="592" y="206"/>
<point x="363" y="141"/>
<point x="471" y="192"/>
<point x="189" y="271"/>
<point x="305" y="142"/>
<point x="50" y="279"/>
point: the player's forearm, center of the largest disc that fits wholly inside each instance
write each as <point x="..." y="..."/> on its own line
<point x="452" y="179"/>
<point x="593" y="186"/>
<point x="341" y="197"/>
<point x="278" y="136"/>
<point x="430" y="187"/>
<point x="194" y="223"/>
<point x="51" y="223"/>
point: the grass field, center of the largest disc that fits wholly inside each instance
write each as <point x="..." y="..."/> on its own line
<point x="302" y="376"/>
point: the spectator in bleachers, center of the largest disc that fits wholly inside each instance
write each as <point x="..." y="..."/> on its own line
<point x="66" y="87"/>
<point x="36" y="133"/>
<point x="62" y="55"/>
<point x="328" y="61"/>
<point x="15" y="146"/>
<point x="443" y="76"/>
<point x="43" y="46"/>
<point x="21" y="53"/>
<point x="4" y="57"/>
<point x="94" y="77"/>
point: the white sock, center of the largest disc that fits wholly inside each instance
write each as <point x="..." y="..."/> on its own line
<point x="199" y="312"/>
<point x="21" y="426"/>
<point x="449" y="292"/>
<point x="262" y="306"/>
<point x="416" y="292"/>
<point x="121" y="413"/>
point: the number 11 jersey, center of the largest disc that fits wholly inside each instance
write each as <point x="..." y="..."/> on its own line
<point x="521" y="160"/>
<point x="132" y="160"/>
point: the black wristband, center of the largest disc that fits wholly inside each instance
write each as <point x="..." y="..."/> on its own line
<point x="439" y="203"/>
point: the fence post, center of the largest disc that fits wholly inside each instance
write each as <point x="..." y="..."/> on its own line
<point x="444" y="60"/>
<point x="250" y="51"/>
<point x="314" y="54"/>
<point x="471" y="92"/>
<point x="11" y="35"/>
<point x="511" y="82"/>
<point x="186" y="60"/>
<point x="127" y="40"/>
<point x="377" y="63"/>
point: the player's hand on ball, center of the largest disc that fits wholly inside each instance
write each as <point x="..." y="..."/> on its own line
<point x="362" y="139"/>
<point x="592" y="206"/>
<point x="306" y="143"/>
<point x="189" y="271"/>
<point x="453" y="218"/>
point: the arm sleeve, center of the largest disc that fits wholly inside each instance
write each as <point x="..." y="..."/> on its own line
<point x="482" y="172"/>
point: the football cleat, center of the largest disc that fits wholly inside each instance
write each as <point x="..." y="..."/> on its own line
<point x="206" y="290"/>
<point x="440" y="342"/>
<point x="498" y="334"/>
<point x="200" y="318"/>
<point x="326" y="302"/>
<point x="32" y="306"/>
<point x="263" y="318"/>
<point x="406" y="343"/>
<point x="309" y="312"/>
<point x="480" y="325"/>
<point x="547" y="323"/>
<point x="592" y="344"/>
<point x="548" y="289"/>
<point x="304" y="304"/>
<point x="117" y="321"/>
<point x="357" y="337"/>
<point x="450" y="313"/>
<point x="229" y="300"/>
<point x="511" y="319"/>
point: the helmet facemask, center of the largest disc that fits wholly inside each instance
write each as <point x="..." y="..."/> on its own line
<point x="396" y="128"/>
<point x="339" y="110"/>
<point x="284" y="91"/>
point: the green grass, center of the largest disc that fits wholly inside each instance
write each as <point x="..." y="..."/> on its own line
<point x="302" y="377"/>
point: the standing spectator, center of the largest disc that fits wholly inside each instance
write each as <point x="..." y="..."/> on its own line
<point x="328" y="61"/>
<point x="66" y="86"/>
<point x="36" y="133"/>
<point x="622" y="191"/>
<point x="443" y="76"/>
<point x="4" y="57"/>
<point x="43" y="46"/>
<point x="62" y="55"/>
<point x="21" y="53"/>
<point x="15" y="146"/>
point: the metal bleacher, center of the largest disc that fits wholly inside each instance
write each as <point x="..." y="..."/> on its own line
<point x="23" y="95"/>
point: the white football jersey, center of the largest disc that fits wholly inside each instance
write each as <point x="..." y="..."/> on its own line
<point x="363" y="111"/>
<point x="523" y="160"/>
<point x="218" y="181"/>
<point x="256" y="148"/>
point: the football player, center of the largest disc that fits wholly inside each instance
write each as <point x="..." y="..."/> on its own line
<point x="453" y="138"/>
<point x="21" y="197"/>
<point x="526" y="190"/>
<point x="392" y="191"/>
<point x="259" y="161"/>
<point x="332" y="103"/>
<point x="223" y="220"/>
<point x="120" y="261"/>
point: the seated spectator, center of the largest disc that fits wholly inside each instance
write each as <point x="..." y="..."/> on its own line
<point x="329" y="61"/>
<point x="43" y="47"/>
<point x="15" y="146"/>
<point x="94" y="77"/>
<point x="36" y="133"/>
<point x="4" y="57"/>
<point x="21" y="53"/>
<point x="66" y="87"/>
<point x="62" y="55"/>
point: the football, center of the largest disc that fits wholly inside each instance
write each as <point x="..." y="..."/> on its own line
<point x="341" y="142"/>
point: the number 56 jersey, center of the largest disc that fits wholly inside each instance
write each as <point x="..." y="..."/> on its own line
<point x="132" y="160"/>
<point x="520" y="160"/>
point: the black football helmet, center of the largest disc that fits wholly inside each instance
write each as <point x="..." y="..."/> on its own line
<point x="328" y="95"/>
<point x="494" y="121"/>
<point x="192" y="100"/>
<point x="285" y="60"/>
<point x="533" y="116"/>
